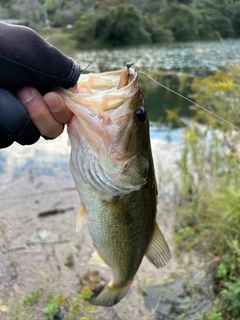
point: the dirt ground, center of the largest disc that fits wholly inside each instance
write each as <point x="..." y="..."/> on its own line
<point x="34" y="249"/>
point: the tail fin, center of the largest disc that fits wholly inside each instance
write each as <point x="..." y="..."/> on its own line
<point x="111" y="294"/>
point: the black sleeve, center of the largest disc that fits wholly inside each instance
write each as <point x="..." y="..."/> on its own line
<point x="15" y="124"/>
<point x="26" y="59"/>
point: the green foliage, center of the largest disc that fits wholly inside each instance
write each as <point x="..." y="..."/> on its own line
<point x="16" y="311"/>
<point x="118" y="22"/>
<point x="33" y="298"/>
<point x="216" y="316"/>
<point x="52" y="308"/>
<point x="57" y="21"/>
<point x="209" y="218"/>
<point x="6" y="3"/>
<point x="84" y="30"/>
<point x="60" y="38"/>
<point x="77" y="307"/>
<point x="236" y="18"/>
<point x="51" y="6"/>
<point x="181" y="20"/>
<point x="229" y="268"/>
<point x="69" y="260"/>
<point x="213" y="19"/>
<point x="51" y="304"/>
<point x="80" y="304"/>
<point x="231" y="297"/>
<point x="185" y="1"/>
<point x="219" y="94"/>
<point x="122" y="25"/>
<point x="156" y="29"/>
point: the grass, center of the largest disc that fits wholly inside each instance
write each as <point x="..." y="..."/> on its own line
<point x="51" y="307"/>
<point x="69" y="262"/>
<point x="60" y="38"/>
<point x="208" y="219"/>
<point x="33" y="298"/>
<point x="47" y="303"/>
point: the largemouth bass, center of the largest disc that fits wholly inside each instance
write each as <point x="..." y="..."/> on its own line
<point x="112" y="166"/>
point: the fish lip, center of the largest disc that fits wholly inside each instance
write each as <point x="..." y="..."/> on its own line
<point x="87" y="107"/>
<point x="123" y="93"/>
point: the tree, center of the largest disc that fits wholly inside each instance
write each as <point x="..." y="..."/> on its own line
<point x="5" y="3"/>
<point x="214" y="17"/>
<point x="122" y="25"/>
<point x="84" y="29"/>
<point x="156" y="29"/>
<point x="236" y="18"/>
<point x="62" y="12"/>
<point x="185" y="1"/>
<point x="30" y="12"/>
<point x="181" y="19"/>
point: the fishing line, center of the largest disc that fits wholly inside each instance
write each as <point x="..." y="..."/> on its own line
<point x="189" y="100"/>
<point x="88" y="65"/>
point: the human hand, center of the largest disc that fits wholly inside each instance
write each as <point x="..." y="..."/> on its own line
<point x="48" y="113"/>
<point x="30" y="70"/>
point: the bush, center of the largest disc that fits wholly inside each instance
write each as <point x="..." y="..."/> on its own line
<point x="157" y="31"/>
<point x="236" y="18"/>
<point x="213" y="17"/>
<point x="122" y="25"/>
<point x="209" y="218"/>
<point x="84" y="29"/>
<point x="181" y="20"/>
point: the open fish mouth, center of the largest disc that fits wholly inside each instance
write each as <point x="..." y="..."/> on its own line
<point x="101" y="129"/>
<point x="104" y="91"/>
<point x="102" y="102"/>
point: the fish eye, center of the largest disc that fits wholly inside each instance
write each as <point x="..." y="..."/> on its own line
<point x="141" y="114"/>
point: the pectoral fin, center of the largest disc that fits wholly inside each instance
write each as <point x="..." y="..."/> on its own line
<point x="96" y="259"/>
<point x="81" y="218"/>
<point x="158" y="251"/>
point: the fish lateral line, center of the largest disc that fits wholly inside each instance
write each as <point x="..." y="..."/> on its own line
<point x="187" y="99"/>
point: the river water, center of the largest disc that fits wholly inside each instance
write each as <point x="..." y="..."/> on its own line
<point x="191" y="57"/>
<point x="194" y="58"/>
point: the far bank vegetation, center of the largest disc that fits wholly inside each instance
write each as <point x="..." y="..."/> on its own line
<point x="114" y="22"/>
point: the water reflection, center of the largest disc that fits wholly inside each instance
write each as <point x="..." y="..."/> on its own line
<point x="166" y="134"/>
<point x="50" y="158"/>
<point x="160" y="100"/>
<point x="43" y="158"/>
<point x="192" y="57"/>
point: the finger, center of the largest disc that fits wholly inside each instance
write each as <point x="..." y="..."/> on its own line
<point x="39" y="112"/>
<point x="57" y="107"/>
<point x="74" y="89"/>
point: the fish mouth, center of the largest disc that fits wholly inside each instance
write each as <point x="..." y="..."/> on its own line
<point x="103" y="91"/>
<point x="99" y="129"/>
<point x="102" y="100"/>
